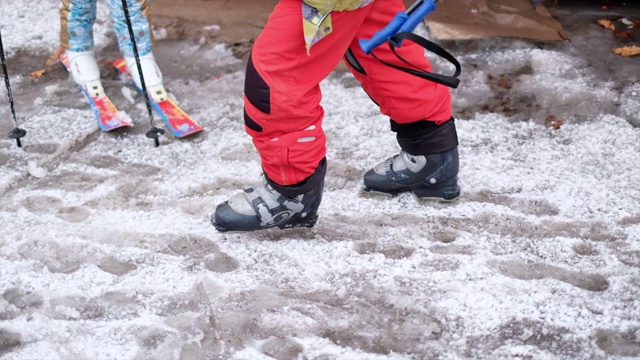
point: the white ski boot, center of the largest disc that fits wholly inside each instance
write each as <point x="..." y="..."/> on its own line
<point x="152" y="76"/>
<point x="85" y="71"/>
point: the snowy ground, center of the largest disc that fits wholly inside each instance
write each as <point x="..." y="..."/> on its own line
<point x="106" y="251"/>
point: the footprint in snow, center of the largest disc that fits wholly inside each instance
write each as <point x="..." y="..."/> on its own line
<point x="390" y="251"/>
<point x="523" y="270"/>
<point x="204" y="251"/>
<point x="618" y="344"/>
<point x="9" y="341"/>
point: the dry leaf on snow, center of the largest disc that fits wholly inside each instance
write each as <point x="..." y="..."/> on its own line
<point x="553" y="122"/>
<point x="623" y="35"/>
<point x="627" y="50"/>
<point x="606" y="23"/>
<point x="37" y="74"/>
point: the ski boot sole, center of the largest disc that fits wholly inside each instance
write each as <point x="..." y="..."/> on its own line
<point x="307" y="223"/>
<point x="446" y="195"/>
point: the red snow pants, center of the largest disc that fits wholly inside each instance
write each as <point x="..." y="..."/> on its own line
<point x="282" y="93"/>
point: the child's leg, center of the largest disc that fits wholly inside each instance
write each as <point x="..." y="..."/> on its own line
<point x="282" y="92"/>
<point x="138" y="10"/>
<point x="420" y="112"/>
<point x="76" y="37"/>
<point x="139" y="16"/>
<point x="284" y="117"/>
<point x="76" y="24"/>
<point x="403" y="97"/>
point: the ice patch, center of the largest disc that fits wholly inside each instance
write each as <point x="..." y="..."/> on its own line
<point x="123" y="117"/>
<point x="211" y="27"/>
<point x="51" y="89"/>
<point x="630" y="104"/>
<point x="160" y="33"/>
<point x="127" y="92"/>
<point x="35" y="170"/>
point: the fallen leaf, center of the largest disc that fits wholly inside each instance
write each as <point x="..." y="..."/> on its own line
<point x="623" y="35"/>
<point x="627" y="50"/>
<point x="37" y="74"/>
<point x="553" y="122"/>
<point x="606" y="23"/>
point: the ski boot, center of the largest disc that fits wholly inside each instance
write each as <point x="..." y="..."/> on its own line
<point x="264" y="207"/>
<point x="85" y="72"/>
<point x="152" y="76"/>
<point x="430" y="177"/>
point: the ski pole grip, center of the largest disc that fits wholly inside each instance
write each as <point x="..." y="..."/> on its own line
<point x="383" y="35"/>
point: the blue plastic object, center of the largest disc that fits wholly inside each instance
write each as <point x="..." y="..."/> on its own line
<point x="418" y="15"/>
<point x="402" y="22"/>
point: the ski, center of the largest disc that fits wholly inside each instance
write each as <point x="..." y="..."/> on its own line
<point x="180" y="124"/>
<point x="108" y="116"/>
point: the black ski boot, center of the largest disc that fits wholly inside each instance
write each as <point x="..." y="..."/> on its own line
<point x="430" y="177"/>
<point x="273" y="205"/>
<point x="427" y="165"/>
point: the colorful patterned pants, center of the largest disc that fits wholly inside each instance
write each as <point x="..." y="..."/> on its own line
<point x="78" y="16"/>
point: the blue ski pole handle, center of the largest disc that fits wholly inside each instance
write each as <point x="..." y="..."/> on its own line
<point x="383" y="35"/>
<point x="402" y="22"/>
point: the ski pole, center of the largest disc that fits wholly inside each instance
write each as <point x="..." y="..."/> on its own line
<point x="154" y="133"/>
<point x="405" y="21"/>
<point x="401" y="27"/>
<point x="16" y="133"/>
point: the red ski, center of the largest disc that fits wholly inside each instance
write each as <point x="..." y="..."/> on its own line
<point x="179" y="123"/>
<point x="107" y="114"/>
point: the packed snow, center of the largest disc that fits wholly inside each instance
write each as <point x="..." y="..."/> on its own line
<point x="106" y="250"/>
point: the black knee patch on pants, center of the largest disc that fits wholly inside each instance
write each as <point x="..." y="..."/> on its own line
<point x="425" y="137"/>
<point x="304" y="186"/>
<point x="256" y="89"/>
<point x="250" y="123"/>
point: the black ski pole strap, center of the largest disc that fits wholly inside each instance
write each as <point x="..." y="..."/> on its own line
<point x="451" y="81"/>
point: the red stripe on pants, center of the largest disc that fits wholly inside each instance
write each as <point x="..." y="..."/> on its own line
<point x="292" y="143"/>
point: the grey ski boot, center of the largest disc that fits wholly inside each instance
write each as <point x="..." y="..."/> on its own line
<point x="430" y="177"/>
<point x="272" y="205"/>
